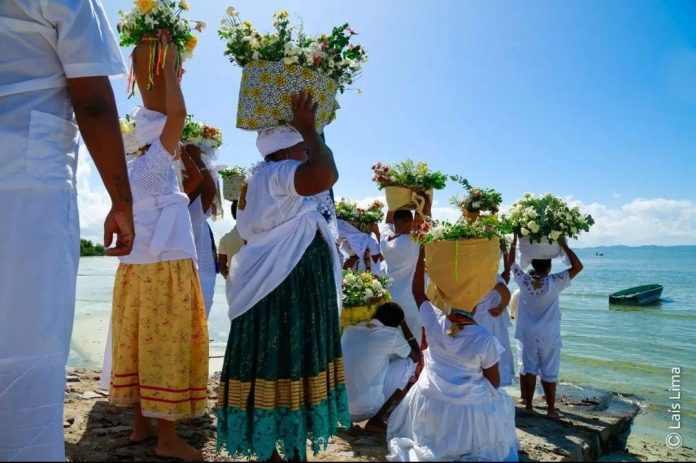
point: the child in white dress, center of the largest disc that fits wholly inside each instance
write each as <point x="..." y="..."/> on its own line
<point x="538" y="330"/>
<point x="455" y="411"/>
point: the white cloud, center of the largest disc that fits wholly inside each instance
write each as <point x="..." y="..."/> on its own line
<point x="639" y="222"/>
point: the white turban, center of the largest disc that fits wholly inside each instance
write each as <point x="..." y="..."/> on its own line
<point x="271" y="140"/>
<point x="148" y="125"/>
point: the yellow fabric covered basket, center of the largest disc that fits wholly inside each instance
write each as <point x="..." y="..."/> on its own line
<point x="461" y="271"/>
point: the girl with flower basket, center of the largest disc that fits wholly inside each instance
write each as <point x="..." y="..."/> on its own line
<point x="538" y="321"/>
<point x="455" y="411"/>
<point x="160" y="334"/>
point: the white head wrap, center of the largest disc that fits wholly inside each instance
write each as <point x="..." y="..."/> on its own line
<point x="148" y="125"/>
<point x="275" y="139"/>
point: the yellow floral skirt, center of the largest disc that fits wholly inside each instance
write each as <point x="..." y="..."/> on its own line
<point x="160" y="340"/>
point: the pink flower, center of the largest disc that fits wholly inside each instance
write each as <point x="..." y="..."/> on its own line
<point x="317" y="60"/>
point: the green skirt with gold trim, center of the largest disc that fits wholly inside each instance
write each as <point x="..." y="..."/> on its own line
<point x="282" y="382"/>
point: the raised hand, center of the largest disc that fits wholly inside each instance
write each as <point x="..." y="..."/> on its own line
<point x="304" y="111"/>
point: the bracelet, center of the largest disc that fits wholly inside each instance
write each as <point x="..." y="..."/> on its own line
<point x="411" y="339"/>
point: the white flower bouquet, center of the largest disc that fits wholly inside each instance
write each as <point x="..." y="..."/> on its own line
<point x="145" y="21"/>
<point x="546" y="218"/>
<point x="233" y="179"/>
<point x="282" y="62"/>
<point x="541" y="220"/>
<point x="363" y="293"/>
<point x="206" y="137"/>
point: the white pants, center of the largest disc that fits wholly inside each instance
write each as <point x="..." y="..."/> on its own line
<point x="540" y="358"/>
<point x="398" y="373"/>
<point x="39" y="255"/>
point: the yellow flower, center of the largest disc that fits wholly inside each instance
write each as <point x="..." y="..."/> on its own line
<point x="247" y="24"/>
<point x="322" y="98"/>
<point x="280" y="81"/>
<point x="183" y="4"/>
<point x="281" y="14"/>
<point x="191" y="43"/>
<point x="265" y="78"/>
<point x="145" y="6"/>
<point x="256" y="93"/>
<point x="246" y="92"/>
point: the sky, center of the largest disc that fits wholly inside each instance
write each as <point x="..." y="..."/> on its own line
<point x="592" y="100"/>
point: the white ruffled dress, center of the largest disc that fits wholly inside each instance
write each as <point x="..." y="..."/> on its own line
<point x="453" y="413"/>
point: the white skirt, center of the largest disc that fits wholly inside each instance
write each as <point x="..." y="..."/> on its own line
<point x="426" y="428"/>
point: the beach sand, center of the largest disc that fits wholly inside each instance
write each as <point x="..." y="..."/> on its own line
<point x="95" y="431"/>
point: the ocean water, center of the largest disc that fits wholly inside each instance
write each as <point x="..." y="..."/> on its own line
<point x="631" y="350"/>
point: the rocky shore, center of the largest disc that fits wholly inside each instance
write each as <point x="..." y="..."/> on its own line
<point x="592" y="429"/>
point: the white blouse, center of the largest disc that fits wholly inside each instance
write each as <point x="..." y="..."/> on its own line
<point x="160" y="210"/>
<point x="539" y="313"/>
<point x="279" y="225"/>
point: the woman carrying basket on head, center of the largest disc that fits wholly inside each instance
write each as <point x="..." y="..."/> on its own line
<point x="283" y="379"/>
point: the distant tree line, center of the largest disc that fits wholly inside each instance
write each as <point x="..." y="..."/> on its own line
<point x="89" y="249"/>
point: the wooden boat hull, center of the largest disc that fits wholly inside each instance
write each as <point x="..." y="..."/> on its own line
<point x="640" y="295"/>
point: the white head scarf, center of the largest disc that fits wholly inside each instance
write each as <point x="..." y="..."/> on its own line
<point x="148" y="125"/>
<point x="275" y="139"/>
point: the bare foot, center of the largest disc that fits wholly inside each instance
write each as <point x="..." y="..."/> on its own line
<point x="177" y="448"/>
<point x="554" y="414"/>
<point x="376" y="426"/>
<point x="529" y="411"/>
<point x="143" y="431"/>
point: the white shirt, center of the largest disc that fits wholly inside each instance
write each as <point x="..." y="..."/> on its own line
<point x="162" y="223"/>
<point x="278" y="225"/>
<point x="367" y="350"/>
<point x="401" y="255"/>
<point x="454" y="364"/>
<point x="44" y="43"/>
<point x="539" y="313"/>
